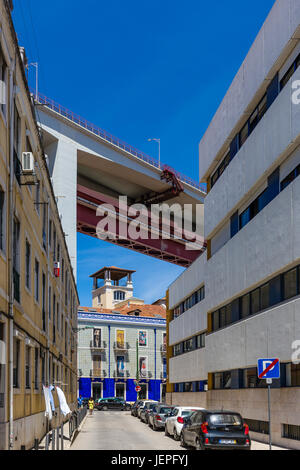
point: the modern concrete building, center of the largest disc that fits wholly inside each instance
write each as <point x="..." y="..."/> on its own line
<point x="240" y="301"/>
<point x="121" y="345"/>
<point x="38" y="304"/>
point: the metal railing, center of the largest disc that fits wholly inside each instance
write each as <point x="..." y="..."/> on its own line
<point x="76" y="419"/>
<point x="98" y="373"/>
<point x="51" y="104"/>
<point x="121" y="346"/>
<point x="98" y="345"/>
<point x="121" y="375"/>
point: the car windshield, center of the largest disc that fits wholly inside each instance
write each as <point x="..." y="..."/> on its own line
<point x="164" y="410"/>
<point x="187" y="413"/>
<point x="225" y="420"/>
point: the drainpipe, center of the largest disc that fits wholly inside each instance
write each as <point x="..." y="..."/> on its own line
<point x="10" y="261"/>
<point x="155" y="356"/>
<point x="109" y="354"/>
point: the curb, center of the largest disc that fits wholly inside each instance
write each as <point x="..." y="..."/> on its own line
<point x="77" y="431"/>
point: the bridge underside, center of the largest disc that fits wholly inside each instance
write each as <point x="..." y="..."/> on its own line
<point x="171" y="250"/>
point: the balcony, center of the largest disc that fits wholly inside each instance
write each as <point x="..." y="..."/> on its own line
<point x="98" y="373"/>
<point x="145" y="375"/>
<point x="97" y="346"/>
<point x="121" y="346"/>
<point x="121" y="375"/>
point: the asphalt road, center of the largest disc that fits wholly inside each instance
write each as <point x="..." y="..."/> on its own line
<point x="118" y="430"/>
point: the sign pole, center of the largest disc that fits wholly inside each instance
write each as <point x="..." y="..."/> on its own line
<point x="269" y="381"/>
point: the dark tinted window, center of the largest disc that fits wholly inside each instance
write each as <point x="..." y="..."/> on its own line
<point x="290" y="284"/>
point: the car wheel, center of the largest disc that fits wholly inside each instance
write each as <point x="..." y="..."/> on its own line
<point x="176" y="436"/>
<point x="104" y="408"/>
<point x="182" y="443"/>
<point x="149" y="424"/>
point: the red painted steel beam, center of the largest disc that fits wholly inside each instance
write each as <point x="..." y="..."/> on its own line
<point x="171" y="250"/>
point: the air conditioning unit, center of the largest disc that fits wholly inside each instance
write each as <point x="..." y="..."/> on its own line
<point x="27" y="162"/>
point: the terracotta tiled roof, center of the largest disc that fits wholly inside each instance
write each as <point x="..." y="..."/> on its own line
<point x="155" y="311"/>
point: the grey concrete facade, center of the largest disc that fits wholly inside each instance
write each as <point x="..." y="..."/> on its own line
<point x="266" y="247"/>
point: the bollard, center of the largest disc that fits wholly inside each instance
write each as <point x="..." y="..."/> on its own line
<point x="53" y="439"/>
<point x="57" y="438"/>
<point x="62" y="436"/>
<point x="47" y="442"/>
<point x="36" y="444"/>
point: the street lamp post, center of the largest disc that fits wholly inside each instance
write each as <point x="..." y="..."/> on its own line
<point x="158" y="141"/>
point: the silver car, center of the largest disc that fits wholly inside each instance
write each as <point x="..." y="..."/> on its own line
<point x="141" y="406"/>
<point x="145" y="411"/>
<point x="175" y="422"/>
<point x="158" y="415"/>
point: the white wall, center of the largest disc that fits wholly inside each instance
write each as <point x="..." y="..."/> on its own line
<point x="278" y="29"/>
<point x="267" y="244"/>
<point x="258" y="157"/>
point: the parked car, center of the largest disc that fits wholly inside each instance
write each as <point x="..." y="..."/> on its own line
<point x="135" y="406"/>
<point x="112" y="404"/>
<point x="175" y="422"/>
<point x="146" y="409"/>
<point x="158" y="415"/>
<point x="215" y="430"/>
<point x="141" y="406"/>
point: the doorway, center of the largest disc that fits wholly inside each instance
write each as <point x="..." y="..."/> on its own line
<point x="143" y="394"/>
<point x="97" y="390"/>
<point x="120" y="391"/>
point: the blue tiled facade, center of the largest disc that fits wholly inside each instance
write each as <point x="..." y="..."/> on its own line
<point x="102" y="377"/>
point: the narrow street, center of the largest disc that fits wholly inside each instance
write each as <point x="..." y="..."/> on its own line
<point x="117" y="430"/>
<point x="111" y="430"/>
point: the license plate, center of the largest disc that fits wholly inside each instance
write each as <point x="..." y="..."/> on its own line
<point x="227" y="441"/>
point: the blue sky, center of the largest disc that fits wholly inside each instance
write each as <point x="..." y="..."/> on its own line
<point x="139" y="69"/>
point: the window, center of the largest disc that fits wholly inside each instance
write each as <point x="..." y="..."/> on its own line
<point x="49" y="303"/>
<point x="3" y="83"/>
<point x="36" y="280"/>
<point x="54" y="319"/>
<point x="27" y="367"/>
<point x="54" y="244"/>
<point x="291" y="431"/>
<point x="97" y="338"/>
<point x="188" y="345"/>
<point x="261" y="427"/>
<point x="290" y="284"/>
<point x="218" y="381"/>
<point x="143" y="338"/>
<point x="177" y="349"/>
<point x="244" y="134"/>
<point x="45" y="226"/>
<point x="215" y="320"/>
<point x="36" y="368"/>
<point x="37" y="196"/>
<point x="2" y="220"/>
<point x="255" y="301"/>
<point x="28" y="265"/>
<point x="16" y="364"/>
<point x="44" y="301"/>
<point x="290" y="178"/>
<point x="264" y="294"/>
<point x="16" y="259"/>
<point x="234" y="224"/>
<point x="245" y="306"/>
<point x="119" y="295"/>
<point x="201" y="341"/>
<point x="222" y="317"/>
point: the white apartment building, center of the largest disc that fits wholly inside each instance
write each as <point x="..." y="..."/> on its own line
<point x="240" y="300"/>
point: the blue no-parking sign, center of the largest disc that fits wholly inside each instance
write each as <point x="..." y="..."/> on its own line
<point x="268" y="368"/>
